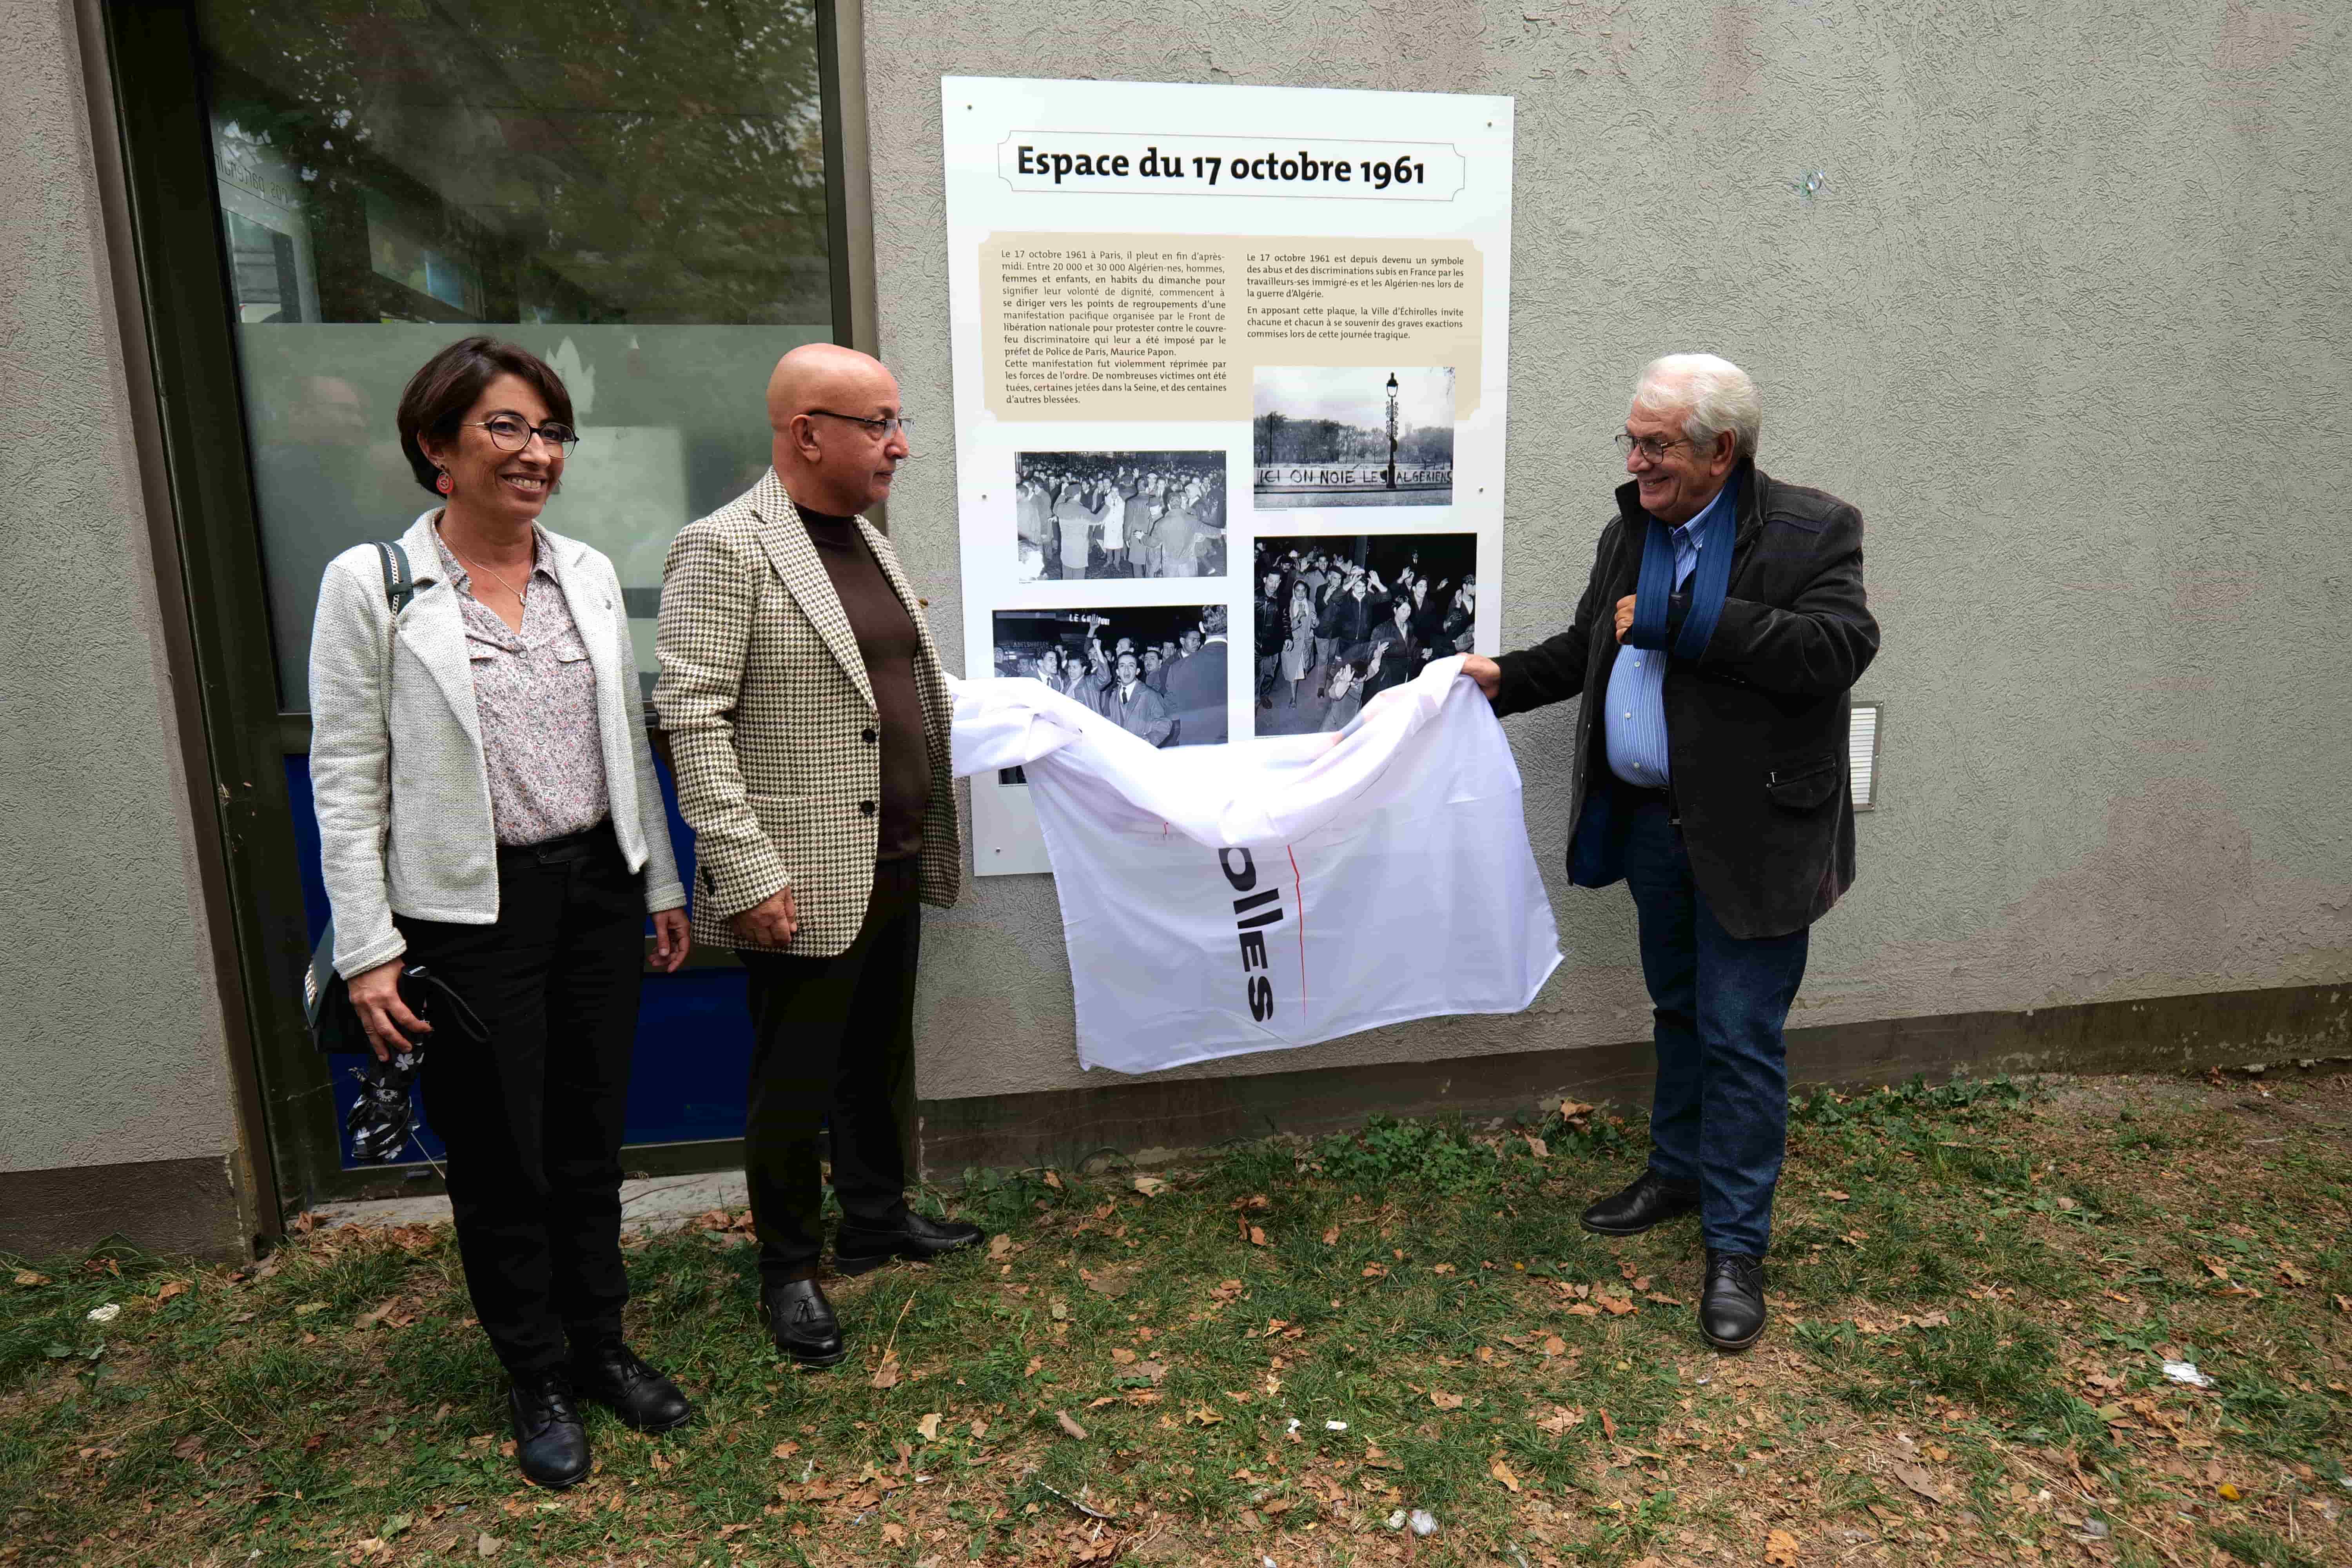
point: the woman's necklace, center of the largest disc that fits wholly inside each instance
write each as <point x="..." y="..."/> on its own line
<point x="472" y="566"/>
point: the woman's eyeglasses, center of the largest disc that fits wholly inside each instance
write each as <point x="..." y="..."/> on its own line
<point x="513" y="433"/>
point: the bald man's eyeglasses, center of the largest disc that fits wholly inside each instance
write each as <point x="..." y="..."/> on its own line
<point x="885" y="429"/>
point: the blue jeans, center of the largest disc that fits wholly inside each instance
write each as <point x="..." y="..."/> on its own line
<point x="1720" y="1115"/>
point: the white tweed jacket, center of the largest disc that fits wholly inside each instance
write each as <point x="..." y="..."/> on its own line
<point x="396" y="771"/>
<point x="772" y="726"/>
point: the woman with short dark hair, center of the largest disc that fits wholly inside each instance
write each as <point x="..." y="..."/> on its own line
<point x="488" y="807"/>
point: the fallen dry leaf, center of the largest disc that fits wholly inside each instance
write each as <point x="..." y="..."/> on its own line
<point x="1583" y="1309"/>
<point x="1330" y="1238"/>
<point x="1444" y="1400"/>
<point x="1502" y="1472"/>
<point x="487" y="1545"/>
<point x="886" y="1374"/>
<point x="27" y="1276"/>
<point x="928" y="1426"/>
<point x="1835" y="1196"/>
<point x="1780" y="1549"/>
<point x="894" y="1534"/>
<point x="1608" y="1428"/>
<point x="1203" y="1414"/>
<point x="1034" y="1363"/>
<point x="1054" y="1181"/>
<point x="1554" y="1345"/>
<point x="1062" y="1419"/>
<point x="786" y="1450"/>
<point x="1257" y="1236"/>
<point x="1150" y="1186"/>
<point x="1537" y="1147"/>
<point x="979" y="1426"/>
<point x="170" y="1288"/>
<point x="1918" y="1480"/>
<point x="1000" y="1248"/>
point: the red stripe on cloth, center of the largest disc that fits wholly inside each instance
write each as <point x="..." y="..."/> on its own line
<point x="1298" y="898"/>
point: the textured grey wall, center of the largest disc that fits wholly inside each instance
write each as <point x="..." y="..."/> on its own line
<point x="2069" y="321"/>
<point x="110" y="1023"/>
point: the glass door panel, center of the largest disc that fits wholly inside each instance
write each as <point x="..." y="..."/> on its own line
<point x="634" y="192"/>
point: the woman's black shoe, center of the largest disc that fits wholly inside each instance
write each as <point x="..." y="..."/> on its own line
<point x="551" y="1442"/>
<point x="612" y="1377"/>
<point x="856" y="1250"/>
<point x="1731" y="1300"/>
<point x="1649" y="1201"/>
<point x="802" y="1322"/>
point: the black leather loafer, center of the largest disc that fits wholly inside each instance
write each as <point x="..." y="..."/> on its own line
<point x="1651" y="1200"/>
<point x="856" y="1250"/>
<point x="1731" y="1300"/>
<point x="802" y="1323"/>
<point x="612" y="1377"/>
<point x="551" y="1442"/>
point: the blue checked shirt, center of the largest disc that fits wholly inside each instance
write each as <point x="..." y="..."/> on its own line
<point x="1636" y="713"/>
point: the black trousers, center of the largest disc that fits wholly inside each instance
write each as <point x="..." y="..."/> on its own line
<point x="833" y="1040"/>
<point x="532" y="1123"/>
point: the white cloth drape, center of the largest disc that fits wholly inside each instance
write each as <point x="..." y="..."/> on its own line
<point x="1223" y="900"/>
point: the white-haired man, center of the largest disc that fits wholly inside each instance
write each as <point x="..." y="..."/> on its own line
<point x="1723" y="627"/>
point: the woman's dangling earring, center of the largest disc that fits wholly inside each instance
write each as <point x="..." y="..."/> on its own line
<point x="443" y="484"/>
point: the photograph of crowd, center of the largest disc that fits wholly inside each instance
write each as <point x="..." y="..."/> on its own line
<point x="1155" y="670"/>
<point x="1343" y="618"/>
<point x="1093" y="515"/>
<point x="1331" y="436"/>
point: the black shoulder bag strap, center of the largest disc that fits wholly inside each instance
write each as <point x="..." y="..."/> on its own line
<point x="326" y="1000"/>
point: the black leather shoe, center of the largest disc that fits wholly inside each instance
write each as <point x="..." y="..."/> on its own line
<point x="612" y="1377"/>
<point x="1731" y="1300"/>
<point x="551" y="1442"/>
<point x="802" y="1322"/>
<point x="1649" y="1200"/>
<point x="856" y="1250"/>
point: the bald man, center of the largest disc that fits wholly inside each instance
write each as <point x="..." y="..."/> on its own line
<point x="808" y="716"/>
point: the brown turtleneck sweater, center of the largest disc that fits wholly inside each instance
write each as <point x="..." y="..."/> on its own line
<point x="886" y="638"/>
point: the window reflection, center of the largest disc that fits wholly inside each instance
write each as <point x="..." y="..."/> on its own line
<point x="634" y="192"/>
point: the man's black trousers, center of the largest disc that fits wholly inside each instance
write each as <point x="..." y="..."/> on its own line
<point x="532" y="1122"/>
<point x="833" y="1041"/>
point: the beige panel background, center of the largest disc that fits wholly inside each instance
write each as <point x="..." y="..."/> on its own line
<point x="1285" y="303"/>
<point x="2056" y="294"/>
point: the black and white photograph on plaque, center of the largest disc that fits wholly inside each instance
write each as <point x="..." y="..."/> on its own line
<point x="1098" y="515"/>
<point x="1342" y="618"/>
<point x="1155" y="670"/>
<point x="1340" y="435"/>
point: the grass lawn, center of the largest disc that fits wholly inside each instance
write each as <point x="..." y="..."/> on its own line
<point x="1271" y="1355"/>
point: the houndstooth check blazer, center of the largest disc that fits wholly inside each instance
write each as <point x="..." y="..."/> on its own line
<point x="771" y="725"/>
